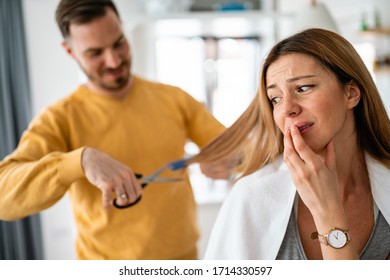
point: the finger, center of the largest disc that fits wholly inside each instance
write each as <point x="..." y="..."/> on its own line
<point x="288" y="145"/>
<point x="304" y="152"/>
<point x="121" y="194"/>
<point x="132" y="187"/>
<point x="290" y="154"/>
<point x="106" y="197"/>
<point x="291" y="157"/>
<point x="293" y="160"/>
<point x="293" y="172"/>
<point x="136" y="186"/>
<point x="129" y="189"/>
<point x="288" y="163"/>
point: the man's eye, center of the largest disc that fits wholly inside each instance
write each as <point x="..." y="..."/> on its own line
<point x="94" y="53"/>
<point x="119" y="43"/>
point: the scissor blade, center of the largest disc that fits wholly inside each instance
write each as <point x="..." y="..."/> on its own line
<point x="154" y="175"/>
<point x="173" y="166"/>
<point x="164" y="180"/>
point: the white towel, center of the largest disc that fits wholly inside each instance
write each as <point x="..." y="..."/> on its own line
<point x="253" y="219"/>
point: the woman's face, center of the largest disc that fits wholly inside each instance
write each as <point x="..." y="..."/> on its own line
<point x="306" y="95"/>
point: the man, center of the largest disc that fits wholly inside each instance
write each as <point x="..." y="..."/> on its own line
<point x="90" y="144"/>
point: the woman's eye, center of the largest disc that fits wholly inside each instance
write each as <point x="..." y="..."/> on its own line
<point x="304" y="88"/>
<point x="275" y="100"/>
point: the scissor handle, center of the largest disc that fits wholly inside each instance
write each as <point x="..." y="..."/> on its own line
<point x="143" y="185"/>
<point x="127" y="205"/>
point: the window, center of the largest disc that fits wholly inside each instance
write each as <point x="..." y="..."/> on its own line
<point x="220" y="71"/>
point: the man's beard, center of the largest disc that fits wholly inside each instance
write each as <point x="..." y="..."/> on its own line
<point x="119" y="82"/>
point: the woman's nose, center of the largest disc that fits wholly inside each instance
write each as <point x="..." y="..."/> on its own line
<point x="291" y="107"/>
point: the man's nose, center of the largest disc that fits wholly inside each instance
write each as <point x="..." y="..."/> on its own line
<point x="112" y="59"/>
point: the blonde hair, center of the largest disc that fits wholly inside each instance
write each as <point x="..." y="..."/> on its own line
<point x="256" y="139"/>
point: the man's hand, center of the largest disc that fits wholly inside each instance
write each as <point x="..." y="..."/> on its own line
<point x="109" y="175"/>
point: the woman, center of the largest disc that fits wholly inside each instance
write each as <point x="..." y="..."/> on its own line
<point x="315" y="149"/>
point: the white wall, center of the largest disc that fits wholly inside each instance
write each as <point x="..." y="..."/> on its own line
<point x="53" y="75"/>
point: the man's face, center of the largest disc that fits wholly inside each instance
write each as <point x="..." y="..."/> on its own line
<point x="102" y="52"/>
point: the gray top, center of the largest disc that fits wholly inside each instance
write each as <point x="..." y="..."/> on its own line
<point x="377" y="247"/>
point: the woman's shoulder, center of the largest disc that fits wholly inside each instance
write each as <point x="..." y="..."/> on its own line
<point x="268" y="172"/>
<point x="270" y="177"/>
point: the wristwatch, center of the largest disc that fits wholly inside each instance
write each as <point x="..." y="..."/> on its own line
<point x="335" y="238"/>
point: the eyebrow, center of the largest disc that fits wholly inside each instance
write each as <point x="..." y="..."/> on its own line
<point x="290" y="80"/>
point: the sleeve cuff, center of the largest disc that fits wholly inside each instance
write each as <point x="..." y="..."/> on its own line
<point x="69" y="167"/>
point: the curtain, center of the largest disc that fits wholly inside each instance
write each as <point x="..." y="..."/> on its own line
<point x="21" y="239"/>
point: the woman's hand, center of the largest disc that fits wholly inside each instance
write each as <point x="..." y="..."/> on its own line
<point x="314" y="176"/>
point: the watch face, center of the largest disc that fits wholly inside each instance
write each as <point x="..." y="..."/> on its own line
<point x="337" y="238"/>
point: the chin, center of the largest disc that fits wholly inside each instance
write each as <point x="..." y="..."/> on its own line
<point x="118" y="84"/>
<point x="316" y="147"/>
<point x="319" y="150"/>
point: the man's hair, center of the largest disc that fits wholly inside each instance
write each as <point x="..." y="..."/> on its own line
<point x="80" y="11"/>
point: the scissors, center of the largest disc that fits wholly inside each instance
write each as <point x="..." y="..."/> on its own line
<point x="145" y="180"/>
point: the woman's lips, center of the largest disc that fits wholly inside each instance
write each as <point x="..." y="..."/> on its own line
<point x="303" y="128"/>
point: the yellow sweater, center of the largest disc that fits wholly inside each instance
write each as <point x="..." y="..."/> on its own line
<point x="145" y="131"/>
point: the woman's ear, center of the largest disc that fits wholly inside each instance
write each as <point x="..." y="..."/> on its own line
<point x="353" y="94"/>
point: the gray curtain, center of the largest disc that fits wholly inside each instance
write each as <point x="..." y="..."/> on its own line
<point x="21" y="239"/>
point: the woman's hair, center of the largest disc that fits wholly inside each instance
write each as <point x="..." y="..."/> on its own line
<point x="80" y="11"/>
<point x="256" y="139"/>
